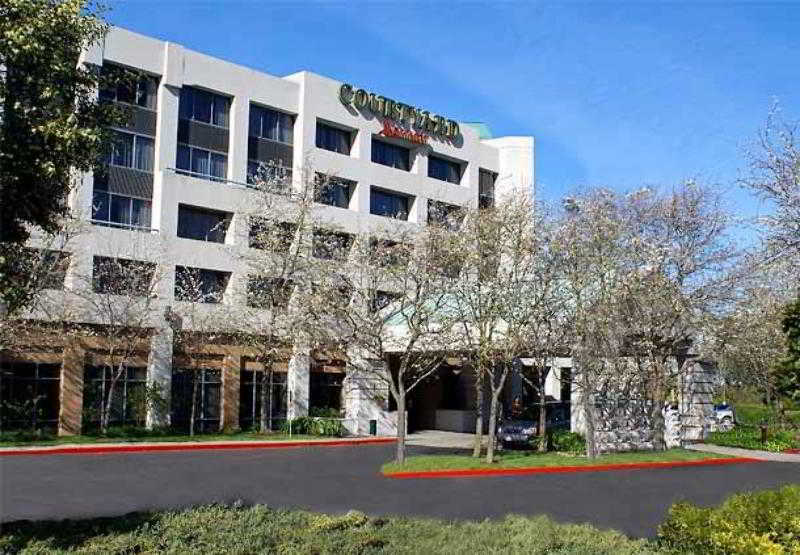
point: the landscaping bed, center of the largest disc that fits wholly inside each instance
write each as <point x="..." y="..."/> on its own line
<point x="532" y="459"/>
<point x="747" y="437"/>
<point x="760" y="522"/>
<point x="218" y="529"/>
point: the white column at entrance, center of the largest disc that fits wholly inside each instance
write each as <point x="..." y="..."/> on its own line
<point x="159" y="374"/>
<point x="298" y="382"/>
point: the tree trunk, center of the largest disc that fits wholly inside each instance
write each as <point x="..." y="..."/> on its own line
<point x="657" y="415"/>
<point x="192" y="413"/>
<point x="588" y="414"/>
<point x="265" y="409"/>
<point x="476" y="450"/>
<point x="492" y="425"/>
<point x="105" y="415"/>
<point x="542" y="422"/>
<point x="400" y="457"/>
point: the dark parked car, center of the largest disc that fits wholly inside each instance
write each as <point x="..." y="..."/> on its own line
<point x="519" y="430"/>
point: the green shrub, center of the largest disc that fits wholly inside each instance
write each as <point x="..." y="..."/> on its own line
<point x="22" y="436"/>
<point x="761" y="522"/>
<point x="750" y="438"/>
<point x="325" y="412"/>
<point x="219" y="529"/>
<point x="314" y="426"/>
<point x="567" y="442"/>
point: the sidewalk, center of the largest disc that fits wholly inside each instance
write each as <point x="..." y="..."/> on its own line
<point x="751" y="453"/>
<point x="128" y="447"/>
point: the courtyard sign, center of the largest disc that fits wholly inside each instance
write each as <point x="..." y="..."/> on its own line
<point x="422" y="120"/>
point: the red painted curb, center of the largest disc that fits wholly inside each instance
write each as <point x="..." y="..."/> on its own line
<point x="101" y="450"/>
<point x="792" y="451"/>
<point x="477" y="472"/>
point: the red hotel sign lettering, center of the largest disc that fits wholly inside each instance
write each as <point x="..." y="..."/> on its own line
<point x="392" y="130"/>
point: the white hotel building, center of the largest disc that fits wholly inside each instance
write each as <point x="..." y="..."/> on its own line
<point x="199" y="126"/>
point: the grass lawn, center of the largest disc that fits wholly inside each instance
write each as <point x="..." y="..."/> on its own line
<point x="218" y="529"/>
<point x="528" y="459"/>
<point x="14" y="440"/>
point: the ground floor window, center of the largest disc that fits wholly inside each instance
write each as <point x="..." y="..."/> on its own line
<point x="326" y="391"/>
<point x="196" y="399"/>
<point x="253" y="385"/>
<point x="127" y="394"/>
<point x="29" y="396"/>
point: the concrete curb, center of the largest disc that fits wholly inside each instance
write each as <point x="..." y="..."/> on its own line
<point x="480" y="472"/>
<point x="185" y="446"/>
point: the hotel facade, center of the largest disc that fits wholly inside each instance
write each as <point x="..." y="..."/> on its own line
<point x="175" y="181"/>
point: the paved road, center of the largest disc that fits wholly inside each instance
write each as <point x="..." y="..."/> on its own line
<point x="335" y="479"/>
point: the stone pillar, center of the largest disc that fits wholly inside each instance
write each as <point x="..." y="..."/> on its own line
<point x="696" y="402"/>
<point x="159" y="377"/>
<point x="298" y="384"/>
<point x="231" y="368"/>
<point x="70" y="411"/>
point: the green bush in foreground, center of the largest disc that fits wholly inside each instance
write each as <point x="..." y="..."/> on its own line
<point x="217" y="529"/>
<point x="761" y="522"/>
<point x="750" y="438"/>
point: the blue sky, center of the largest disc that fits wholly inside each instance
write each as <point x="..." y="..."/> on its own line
<point x="617" y="94"/>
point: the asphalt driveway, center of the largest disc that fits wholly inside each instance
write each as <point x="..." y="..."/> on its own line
<point x="336" y="479"/>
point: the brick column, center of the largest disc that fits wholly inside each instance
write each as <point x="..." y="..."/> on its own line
<point x="231" y="367"/>
<point x="70" y="411"/>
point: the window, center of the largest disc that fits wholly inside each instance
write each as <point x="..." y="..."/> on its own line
<point x="252" y="385"/>
<point x="120" y="210"/>
<point x="119" y="276"/>
<point x="204" y="106"/>
<point x="446" y="215"/>
<point x="333" y="191"/>
<point x="391" y="155"/>
<point x="276" y="178"/>
<point x="202" y="163"/>
<point x="333" y="139"/>
<point x="131" y="151"/>
<point x="331" y="245"/>
<point x="386" y="253"/>
<point x="266" y="235"/>
<point x="29" y="396"/>
<point x="565" y="377"/>
<point x="325" y="390"/>
<point x="128" y="396"/>
<point x="197" y="285"/>
<point x="382" y="299"/>
<point x="41" y="268"/>
<point x="201" y="388"/>
<point x="130" y="87"/>
<point x="270" y="124"/>
<point x="486" y="181"/>
<point x="268" y="292"/>
<point x="446" y="170"/>
<point x="202" y="224"/>
<point x="391" y="205"/>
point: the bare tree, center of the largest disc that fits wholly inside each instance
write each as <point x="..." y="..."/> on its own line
<point x="497" y="252"/>
<point x="388" y="310"/>
<point x="288" y="248"/>
<point x="539" y="313"/>
<point x="120" y="304"/>
<point x="775" y="176"/>
<point x="589" y="239"/>
<point x="747" y="341"/>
